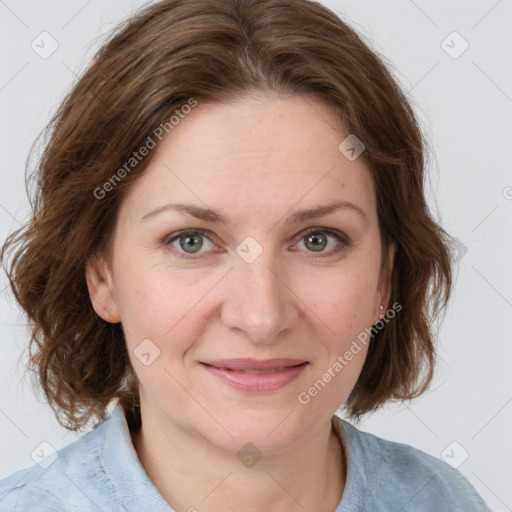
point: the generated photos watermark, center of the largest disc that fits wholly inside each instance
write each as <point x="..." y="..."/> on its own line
<point x="144" y="150"/>
<point x="304" y="397"/>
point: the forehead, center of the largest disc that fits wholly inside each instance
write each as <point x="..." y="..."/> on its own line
<point x="252" y="131"/>
<point x="255" y="153"/>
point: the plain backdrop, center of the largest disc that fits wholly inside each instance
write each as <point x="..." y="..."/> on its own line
<point x="453" y="58"/>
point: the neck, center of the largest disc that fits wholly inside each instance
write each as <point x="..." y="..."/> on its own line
<point x="191" y="474"/>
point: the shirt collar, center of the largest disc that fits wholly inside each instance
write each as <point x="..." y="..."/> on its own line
<point x="360" y="473"/>
<point x="124" y="469"/>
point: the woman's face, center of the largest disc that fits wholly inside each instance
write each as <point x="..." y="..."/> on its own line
<point x="202" y="310"/>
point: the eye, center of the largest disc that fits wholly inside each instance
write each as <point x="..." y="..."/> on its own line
<point x="317" y="239"/>
<point x="189" y="243"/>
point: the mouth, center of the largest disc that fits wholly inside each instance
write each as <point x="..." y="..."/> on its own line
<point x="255" y="376"/>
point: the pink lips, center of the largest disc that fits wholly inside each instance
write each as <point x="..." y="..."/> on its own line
<point x="256" y="376"/>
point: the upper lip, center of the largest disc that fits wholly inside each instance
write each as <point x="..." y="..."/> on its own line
<point x="255" y="364"/>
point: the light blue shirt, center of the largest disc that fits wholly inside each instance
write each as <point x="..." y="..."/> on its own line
<point x="101" y="472"/>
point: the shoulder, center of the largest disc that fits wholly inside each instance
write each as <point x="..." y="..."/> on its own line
<point x="71" y="479"/>
<point x="400" y="477"/>
<point x="17" y="493"/>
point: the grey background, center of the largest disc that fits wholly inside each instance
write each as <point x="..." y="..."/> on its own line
<point x="465" y="104"/>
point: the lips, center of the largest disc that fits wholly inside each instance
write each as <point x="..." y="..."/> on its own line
<point x="255" y="366"/>
<point x="251" y="375"/>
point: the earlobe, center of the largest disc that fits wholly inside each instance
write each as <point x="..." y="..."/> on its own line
<point x="101" y="289"/>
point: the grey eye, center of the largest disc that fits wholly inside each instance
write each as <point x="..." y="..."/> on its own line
<point x="193" y="242"/>
<point x="190" y="243"/>
<point x="316" y="241"/>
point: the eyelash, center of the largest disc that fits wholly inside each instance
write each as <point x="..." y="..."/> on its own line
<point x="338" y="235"/>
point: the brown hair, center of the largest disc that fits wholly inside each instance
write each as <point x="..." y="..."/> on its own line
<point x="213" y="51"/>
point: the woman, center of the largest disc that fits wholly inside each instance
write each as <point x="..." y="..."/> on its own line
<point x="230" y="241"/>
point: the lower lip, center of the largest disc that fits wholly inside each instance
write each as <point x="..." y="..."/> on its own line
<point x="257" y="382"/>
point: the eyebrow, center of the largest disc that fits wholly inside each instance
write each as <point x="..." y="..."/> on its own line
<point x="298" y="217"/>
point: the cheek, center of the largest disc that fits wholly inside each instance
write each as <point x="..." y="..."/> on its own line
<point x="167" y="309"/>
<point x="343" y="314"/>
<point x="343" y="303"/>
<point x="161" y="323"/>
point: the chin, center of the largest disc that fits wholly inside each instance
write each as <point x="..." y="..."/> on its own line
<point x="268" y="432"/>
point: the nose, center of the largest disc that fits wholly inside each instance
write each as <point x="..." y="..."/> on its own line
<point x="259" y="301"/>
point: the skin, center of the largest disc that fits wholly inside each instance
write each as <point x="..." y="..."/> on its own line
<point x="255" y="160"/>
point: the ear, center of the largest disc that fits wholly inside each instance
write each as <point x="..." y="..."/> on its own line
<point x="101" y="289"/>
<point x="384" y="291"/>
